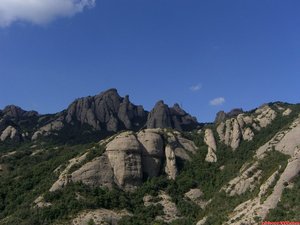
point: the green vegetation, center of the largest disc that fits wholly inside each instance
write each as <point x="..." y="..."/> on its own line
<point x="288" y="209"/>
<point x="29" y="174"/>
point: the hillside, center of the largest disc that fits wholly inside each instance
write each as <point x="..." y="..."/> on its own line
<point x="105" y="160"/>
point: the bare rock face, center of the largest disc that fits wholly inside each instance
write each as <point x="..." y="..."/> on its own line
<point x="235" y="135"/>
<point x="106" y="111"/>
<point x="152" y="151"/>
<point x="170" y="168"/>
<point x="246" y="181"/>
<point x="209" y="139"/>
<point x="232" y="131"/>
<point x="124" y="154"/>
<point x="130" y="157"/>
<point x="287" y="112"/>
<point x="162" y="116"/>
<point x="48" y="129"/>
<point x="222" y="116"/>
<point x="10" y="133"/>
<point x="96" y="173"/>
<point x="266" y="116"/>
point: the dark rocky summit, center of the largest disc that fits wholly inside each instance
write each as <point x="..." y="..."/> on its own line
<point x="104" y="114"/>
<point x="222" y="116"/>
<point x="162" y="116"/>
<point x="106" y="111"/>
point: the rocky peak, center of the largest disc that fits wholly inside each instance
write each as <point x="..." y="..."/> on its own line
<point x="13" y="111"/>
<point x="106" y="111"/>
<point x="175" y="117"/>
<point x="222" y="116"/>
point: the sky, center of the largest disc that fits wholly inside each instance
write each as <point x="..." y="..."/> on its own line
<point x="206" y="55"/>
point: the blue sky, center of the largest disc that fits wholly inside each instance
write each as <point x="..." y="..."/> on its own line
<point x="237" y="53"/>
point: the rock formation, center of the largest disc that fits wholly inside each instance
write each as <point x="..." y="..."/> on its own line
<point x="209" y="139"/>
<point x="222" y="116"/>
<point x="106" y="111"/>
<point x="130" y="157"/>
<point x="162" y="116"/>
<point x="232" y="131"/>
<point x="10" y="133"/>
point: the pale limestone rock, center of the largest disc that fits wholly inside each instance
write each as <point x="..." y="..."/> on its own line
<point x="266" y="116"/>
<point x="248" y="180"/>
<point x="152" y="151"/>
<point x="170" y="168"/>
<point x="48" y="129"/>
<point x="290" y="141"/>
<point x="95" y="173"/>
<point x="65" y="178"/>
<point x="287" y="112"/>
<point x="9" y="132"/>
<point x="240" y="119"/>
<point x="228" y="132"/>
<point x="188" y="145"/>
<point x="220" y="131"/>
<point x="209" y="139"/>
<point x="100" y="216"/>
<point x="248" y="134"/>
<point x="124" y="154"/>
<point x="236" y="135"/>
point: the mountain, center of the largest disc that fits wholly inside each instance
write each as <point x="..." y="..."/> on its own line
<point x="104" y="160"/>
<point x="101" y="115"/>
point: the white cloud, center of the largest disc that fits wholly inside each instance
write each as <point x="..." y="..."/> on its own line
<point x="40" y="11"/>
<point x="217" y="101"/>
<point x="196" y="87"/>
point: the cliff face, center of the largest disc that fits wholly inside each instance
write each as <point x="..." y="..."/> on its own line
<point x="130" y="158"/>
<point x="162" y="116"/>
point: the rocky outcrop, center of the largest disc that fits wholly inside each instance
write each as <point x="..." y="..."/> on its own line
<point x="222" y="116"/>
<point x="265" y="116"/>
<point x="95" y="173"/>
<point x="232" y="131"/>
<point x="257" y="208"/>
<point x="248" y="180"/>
<point x="99" y="216"/>
<point x="162" y="116"/>
<point x="170" y="168"/>
<point x="10" y="133"/>
<point x="152" y="151"/>
<point x="49" y="129"/>
<point x="129" y="158"/>
<point x="287" y="112"/>
<point x="124" y="154"/>
<point x="106" y="111"/>
<point x="209" y="139"/>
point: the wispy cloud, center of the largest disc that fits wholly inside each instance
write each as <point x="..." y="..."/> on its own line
<point x="217" y="101"/>
<point x="39" y="11"/>
<point x="196" y="87"/>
